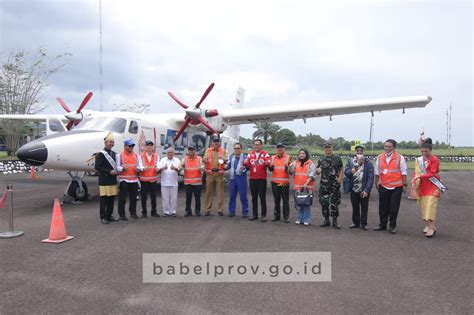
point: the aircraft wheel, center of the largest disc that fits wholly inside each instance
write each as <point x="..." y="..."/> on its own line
<point x="75" y="191"/>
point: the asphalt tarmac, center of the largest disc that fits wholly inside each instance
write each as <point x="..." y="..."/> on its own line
<point x="100" y="270"/>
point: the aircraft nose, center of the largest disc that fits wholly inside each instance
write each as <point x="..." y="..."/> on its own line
<point x="33" y="153"/>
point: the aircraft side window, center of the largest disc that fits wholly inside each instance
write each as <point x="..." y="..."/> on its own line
<point x="162" y="139"/>
<point x="133" y="129"/>
<point x="55" y="125"/>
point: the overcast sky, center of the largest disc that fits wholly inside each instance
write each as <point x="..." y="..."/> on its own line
<point x="281" y="52"/>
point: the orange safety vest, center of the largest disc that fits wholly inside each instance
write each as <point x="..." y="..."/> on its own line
<point x="301" y="175"/>
<point x="390" y="175"/>
<point x="192" y="171"/>
<point x="149" y="173"/>
<point x="280" y="174"/>
<point x="209" y="161"/>
<point x="129" y="160"/>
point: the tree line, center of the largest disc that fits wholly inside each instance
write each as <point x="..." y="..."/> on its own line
<point x="271" y="133"/>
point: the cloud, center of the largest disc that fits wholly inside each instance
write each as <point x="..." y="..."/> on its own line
<point x="281" y="52"/>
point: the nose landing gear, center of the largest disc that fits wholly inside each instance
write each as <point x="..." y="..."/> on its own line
<point x="77" y="188"/>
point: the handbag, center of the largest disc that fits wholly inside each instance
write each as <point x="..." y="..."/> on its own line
<point x="303" y="198"/>
<point x="347" y="181"/>
<point x="346" y="185"/>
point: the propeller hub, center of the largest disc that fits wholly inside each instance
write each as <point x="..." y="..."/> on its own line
<point x="194" y="112"/>
<point x="75" y="117"/>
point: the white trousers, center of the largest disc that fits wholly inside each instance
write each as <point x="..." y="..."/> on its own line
<point x="169" y="197"/>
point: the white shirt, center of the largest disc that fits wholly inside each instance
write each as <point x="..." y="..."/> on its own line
<point x="118" y="162"/>
<point x="169" y="177"/>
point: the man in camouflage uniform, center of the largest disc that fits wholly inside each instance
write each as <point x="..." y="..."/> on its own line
<point x="331" y="169"/>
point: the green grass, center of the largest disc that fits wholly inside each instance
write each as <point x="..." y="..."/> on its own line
<point x="453" y="166"/>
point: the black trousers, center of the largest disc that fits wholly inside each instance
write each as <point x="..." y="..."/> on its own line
<point x="281" y="193"/>
<point x="148" y="188"/>
<point x="360" y="208"/>
<point x="389" y="204"/>
<point x="130" y="190"/>
<point x="106" y="206"/>
<point x="258" y="189"/>
<point x="196" y="191"/>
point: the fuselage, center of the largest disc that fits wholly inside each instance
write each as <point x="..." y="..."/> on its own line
<point x="75" y="149"/>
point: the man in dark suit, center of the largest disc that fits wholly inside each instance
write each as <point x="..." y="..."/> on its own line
<point x="106" y="167"/>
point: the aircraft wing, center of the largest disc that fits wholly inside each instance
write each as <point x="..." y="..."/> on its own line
<point x="32" y="117"/>
<point x="303" y="111"/>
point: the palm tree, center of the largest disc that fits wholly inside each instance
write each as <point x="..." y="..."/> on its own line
<point x="265" y="130"/>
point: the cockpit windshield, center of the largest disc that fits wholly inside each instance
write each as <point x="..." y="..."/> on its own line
<point x="103" y="123"/>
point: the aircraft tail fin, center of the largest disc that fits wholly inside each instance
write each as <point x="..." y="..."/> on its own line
<point x="234" y="131"/>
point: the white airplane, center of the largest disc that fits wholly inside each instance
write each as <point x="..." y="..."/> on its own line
<point x="74" y="150"/>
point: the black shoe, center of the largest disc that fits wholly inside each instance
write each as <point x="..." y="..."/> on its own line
<point x="104" y="221"/>
<point x="173" y="215"/>
<point x="364" y="227"/>
<point x="231" y="215"/>
<point x="155" y="215"/>
<point x="144" y="216"/>
<point x="287" y="220"/>
<point x="220" y="213"/>
<point x="380" y="228"/>
<point x="354" y="226"/>
<point x="263" y="219"/>
<point x="188" y="214"/>
<point x="393" y="230"/>
<point x="334" y="223"/>
<point x="208" y="214"/>
<point x="275" y="219"/>
<point x="124" y="218"/>
<point x="325" y="223"/>
<point x="166" y="214"/>
<point x="198" y="214"/>
<point x="134" y="216"/>
<point x="112" y="219"/>
<point x="253" y="218"/>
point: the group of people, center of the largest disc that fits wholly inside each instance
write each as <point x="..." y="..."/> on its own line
<point x="250" y="171"/>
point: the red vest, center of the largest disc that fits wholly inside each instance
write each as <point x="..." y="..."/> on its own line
<point x="301" y="175"/>
<point x="149" y="173"/>
<point x="130" y="161"/>
<point x="192" y="170"/>
<point x="390" y="175"/>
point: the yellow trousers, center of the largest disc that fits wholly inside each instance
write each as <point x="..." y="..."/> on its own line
<point x="217" y="181"/>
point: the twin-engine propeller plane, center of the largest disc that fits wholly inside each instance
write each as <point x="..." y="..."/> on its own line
<point x="73" y="150"/>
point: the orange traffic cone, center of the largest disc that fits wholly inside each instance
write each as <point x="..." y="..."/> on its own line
<point x="57" y="232"/>
<point x="33" y="173"/>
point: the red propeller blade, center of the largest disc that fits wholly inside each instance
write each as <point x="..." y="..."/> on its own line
<point x="69" y="125"/>
<point x="63" y="104"/>
<point x="205" y="123"/>
<point x="185" y="124"/>
<point x="84" y="101"/>
<point x="209" y="89"/>
<point x="177" y="100"/>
